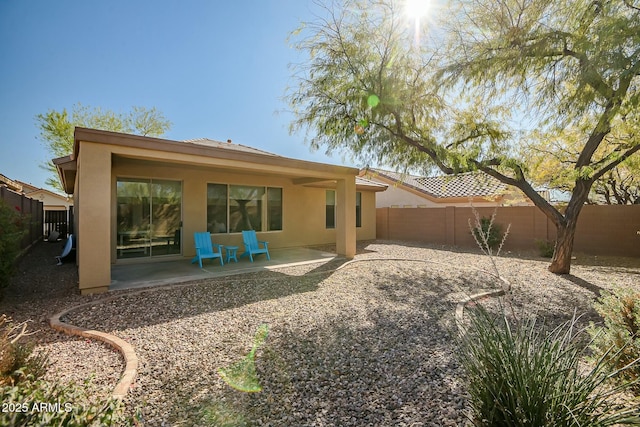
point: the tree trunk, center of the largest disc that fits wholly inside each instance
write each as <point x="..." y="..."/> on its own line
<point x="561" y="261"/>
<point x="566" y="229"/>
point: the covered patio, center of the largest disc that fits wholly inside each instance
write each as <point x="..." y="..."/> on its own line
<point x="141" y="275"/>
<point x="142" y="200"/>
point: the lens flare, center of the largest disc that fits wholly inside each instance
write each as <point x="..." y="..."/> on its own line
<point x="416" y="9"/>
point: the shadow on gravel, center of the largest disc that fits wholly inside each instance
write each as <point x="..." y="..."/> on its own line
<point x="143" y="308"/>
<point x="392" y="365"/>
<point x="39" y="288"/>
<point x="37" y="276"/>
<point x="595" y="289"/>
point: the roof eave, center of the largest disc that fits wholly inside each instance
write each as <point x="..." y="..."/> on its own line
<point x="166" y="145"/>
<point x="66" y="167"/>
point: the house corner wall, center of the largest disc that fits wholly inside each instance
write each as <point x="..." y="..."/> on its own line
<point x="367" y="230"/>
<point x="345" y="218"/>
<point x="93" y="218"/>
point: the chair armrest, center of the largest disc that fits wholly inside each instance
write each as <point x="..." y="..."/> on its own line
<point x="263" y="242"/>
<point x="216" y="245"/>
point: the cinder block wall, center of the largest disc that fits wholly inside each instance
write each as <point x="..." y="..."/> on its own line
<point x="601" y="230"/>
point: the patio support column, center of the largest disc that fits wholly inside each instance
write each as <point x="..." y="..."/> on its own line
<point x="346" y="217"/>
<point x="93" y="195"/>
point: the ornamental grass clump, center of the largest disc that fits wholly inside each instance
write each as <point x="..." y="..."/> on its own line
<point x="36" y="402"/>
<point x="521" y="375"/>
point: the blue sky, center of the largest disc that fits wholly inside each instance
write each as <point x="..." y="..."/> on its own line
<point x="216" y="69"/>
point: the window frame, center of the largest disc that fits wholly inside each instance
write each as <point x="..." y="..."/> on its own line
<point x="358" y="212"/>
<point x="264" y="208"/>
<point x="358" y="209"/>
<point x="329" y="225"/>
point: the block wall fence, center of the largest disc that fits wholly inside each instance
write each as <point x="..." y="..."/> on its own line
<point x="601" y="230"/>
<point x="32" y="214"/>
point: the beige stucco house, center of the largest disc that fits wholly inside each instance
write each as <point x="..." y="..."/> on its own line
<point x="411" y="191"/>
<point x="140" y="199"/>
<point x="51" y="201"/>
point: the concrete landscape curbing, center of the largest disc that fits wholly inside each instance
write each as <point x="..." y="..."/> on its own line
<point x="131" y="359"/>
<point x="126" y="349"/>
<point x="460" y="306"/>
<point x="473" y="298"/>
<point x="370" y="344"/>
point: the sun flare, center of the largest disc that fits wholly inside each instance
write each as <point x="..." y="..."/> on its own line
<point x="416" y="9"/>
<point x="419" y="14"/>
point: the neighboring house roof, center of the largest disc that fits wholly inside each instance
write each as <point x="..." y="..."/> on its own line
<point x="11" y="184"/>
<point x="464" y="185"/>
<point x="49" y="198"/>
<point x="32" y="191"/>
<point x="27" y="188"/>
<point x="363" y="183"/>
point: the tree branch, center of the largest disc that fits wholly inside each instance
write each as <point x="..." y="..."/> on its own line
<point x="616" y="162"/>
<point x="549" y="210"/>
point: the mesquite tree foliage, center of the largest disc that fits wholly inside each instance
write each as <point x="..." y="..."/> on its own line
<point x="472" y="86"/>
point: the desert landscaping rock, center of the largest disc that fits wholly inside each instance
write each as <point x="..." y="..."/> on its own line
<point x="372" y="343"/>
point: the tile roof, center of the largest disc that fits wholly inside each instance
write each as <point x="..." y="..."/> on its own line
<point x="470" y="184"/>
<point x="228" y="146"/>
<point x="360" y="181"/>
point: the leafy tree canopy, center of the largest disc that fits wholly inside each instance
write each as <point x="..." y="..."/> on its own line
<point x="473" y="87"/>
<point x="551" y="159"/>
<point x="57" y="128"/>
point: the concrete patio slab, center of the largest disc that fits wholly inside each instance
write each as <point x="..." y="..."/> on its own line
<point x="157" y="273"/>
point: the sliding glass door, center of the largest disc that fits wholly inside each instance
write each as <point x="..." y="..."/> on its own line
<point x="149" y="217"/>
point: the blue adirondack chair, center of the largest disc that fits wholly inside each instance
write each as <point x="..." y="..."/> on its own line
<point x="252" y="245"/>
<point x="204" y="248"/>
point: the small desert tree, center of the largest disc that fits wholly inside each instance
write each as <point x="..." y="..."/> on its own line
<point x="57" y="127"/>
<point x="387" y="93"/>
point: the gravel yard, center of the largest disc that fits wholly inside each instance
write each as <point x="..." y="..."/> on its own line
<point x="368" y="344"/>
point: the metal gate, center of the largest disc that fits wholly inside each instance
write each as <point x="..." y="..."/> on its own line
<point x="56" y="221"/>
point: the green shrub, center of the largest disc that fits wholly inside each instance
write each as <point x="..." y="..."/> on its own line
<point x="17" y="361"/>
<point x="618" y="342"/>
<point x="545" y="248"/>
<point x="10" y="235"/>
<point x="519" y="375"/>
<point x="27" y="400"/>
<point x="488" y="234"/>
<point x="42" y="403"/>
